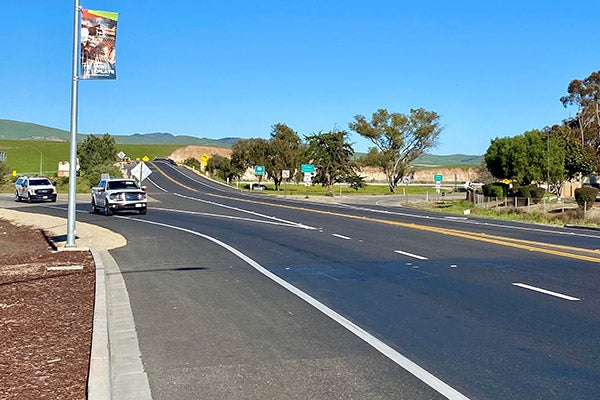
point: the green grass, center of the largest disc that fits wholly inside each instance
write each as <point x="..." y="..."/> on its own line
<point x="318" y="190"/>
<point x="138" y="151"/>
<point x="570" y="215"/>
<point x="24" y="156"/>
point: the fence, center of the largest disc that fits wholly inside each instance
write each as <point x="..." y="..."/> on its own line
<point x="526" y="203"/>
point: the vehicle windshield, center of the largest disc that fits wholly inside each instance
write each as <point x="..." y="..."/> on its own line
<point x="38" y="182"/>
<point x="121" y="185"/>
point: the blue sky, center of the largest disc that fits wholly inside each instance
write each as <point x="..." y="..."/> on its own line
<point x="235" y="68"/>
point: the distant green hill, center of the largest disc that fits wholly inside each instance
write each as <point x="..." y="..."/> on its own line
<point x="167" y="138"/>
<point x="16" y="130"/>
<point x="431" y="160"/>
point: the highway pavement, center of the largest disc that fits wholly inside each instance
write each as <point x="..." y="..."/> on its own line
<point x="240" y="295"/>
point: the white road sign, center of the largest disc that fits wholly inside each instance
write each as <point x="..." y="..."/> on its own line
<point x="307" y="178"/>
<point x="140" y="171"/>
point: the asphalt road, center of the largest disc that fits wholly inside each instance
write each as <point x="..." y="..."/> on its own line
<point x="242" y="295"/>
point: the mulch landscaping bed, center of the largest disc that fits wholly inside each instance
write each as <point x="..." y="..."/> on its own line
<point x="45" y="316"/>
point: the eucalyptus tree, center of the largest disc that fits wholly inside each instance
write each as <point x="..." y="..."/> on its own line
<point x="585" y="94"/>
<point x="247" y="153"/>
<point x="332" y="155"/>
<point x="284" y="153"/>
<point x="398" y="139"/>
<point x="579" y="160"/>
<point x="221" y="166"/>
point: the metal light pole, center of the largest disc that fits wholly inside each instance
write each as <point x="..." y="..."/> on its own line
<point x="73" y="148"/>
<point x="548" y="160"/>
<point x="41" y="158"/>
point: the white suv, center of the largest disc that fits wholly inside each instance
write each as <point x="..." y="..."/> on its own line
<point x="36" y="188"/>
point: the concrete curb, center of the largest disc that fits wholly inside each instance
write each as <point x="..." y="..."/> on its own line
<point x="99" y="384"/>
<point x="116" y="369"/>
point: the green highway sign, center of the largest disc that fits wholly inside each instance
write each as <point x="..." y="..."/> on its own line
<point x="259" y="170"/>
<point x="308" y="168"/>
<point x="437" y="178"/>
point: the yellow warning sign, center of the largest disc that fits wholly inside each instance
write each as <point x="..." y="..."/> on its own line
<point x="205" y="158"/>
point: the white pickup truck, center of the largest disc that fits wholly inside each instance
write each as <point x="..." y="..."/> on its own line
<point x="119" y="194"/>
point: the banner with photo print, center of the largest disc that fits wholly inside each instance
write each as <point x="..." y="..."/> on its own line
<point x="98" y="38"/>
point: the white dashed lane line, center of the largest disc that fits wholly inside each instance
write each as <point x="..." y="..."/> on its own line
<point x="548" y="292"/>
<point x="337" y="235"/>
<point x="418" y="257"/>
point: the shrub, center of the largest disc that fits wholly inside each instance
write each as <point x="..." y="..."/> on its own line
<point x="193" y="162"/>
<point x="586" y="196"/>
<point x="533" y="192"/>
<point x="497" y="189"/>
<point x="4" y="171"/>
<point x="93" y="174"/>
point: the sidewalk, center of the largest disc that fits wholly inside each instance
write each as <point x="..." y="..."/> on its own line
<point x="116" y="370"/>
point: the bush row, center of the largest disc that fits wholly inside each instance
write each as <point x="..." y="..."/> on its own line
<point x="585" y="196"/>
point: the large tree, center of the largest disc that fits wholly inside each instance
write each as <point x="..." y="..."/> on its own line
<point x="332" y="156"/>
<point x="221" y="166"/>
<point x="585" y="94"/>
<point x="284" y="153"/>
<point x="579" y="160"/>
<point x="97" y="155"/>
<point x="246" y="153"/>
<point x="534" y="156"/>
<point x="398" y="139"/>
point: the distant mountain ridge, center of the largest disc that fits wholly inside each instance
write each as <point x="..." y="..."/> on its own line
<point x="16" y="130"/>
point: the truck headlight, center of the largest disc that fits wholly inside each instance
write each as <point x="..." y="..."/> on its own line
<point x="116" y="196"/>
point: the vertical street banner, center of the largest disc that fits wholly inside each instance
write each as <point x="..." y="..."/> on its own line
<point x="98" y="38"/>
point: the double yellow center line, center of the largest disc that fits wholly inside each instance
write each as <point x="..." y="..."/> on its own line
<point x="539" y="247"/>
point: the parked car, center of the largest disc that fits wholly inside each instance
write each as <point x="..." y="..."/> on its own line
<point x="19" y="182"/>
<point x="475" y="186"/>
<point x="35" y="188"/>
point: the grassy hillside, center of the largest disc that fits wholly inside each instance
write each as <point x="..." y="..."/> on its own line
<point x="24" y="156"/>
<point x="168" y="139"/>
<point x="135" y="151"/>
<point x="428" y="160"/>
<point x="14" y="130"/>
<point x="23" y="142"/>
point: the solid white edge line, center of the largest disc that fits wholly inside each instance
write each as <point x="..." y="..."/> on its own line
<point x="551" y="293"/>
<point x="411" y="255"/>
<point x="419" y="372"/>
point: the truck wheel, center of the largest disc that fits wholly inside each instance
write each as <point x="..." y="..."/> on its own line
<point x="143" y="211"/>
<point x="17" y="197"/>
<point x="107" y="209"/>
<point x="28" y="198"/>
<point x="94" y="208"/>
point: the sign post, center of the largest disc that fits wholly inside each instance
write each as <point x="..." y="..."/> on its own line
<point x="285" y="174"/>
<point x="259" y="171"/>
<point x="437" y="178"/>
<point x="308" y="170"/>
<point x="140" y="172"/>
